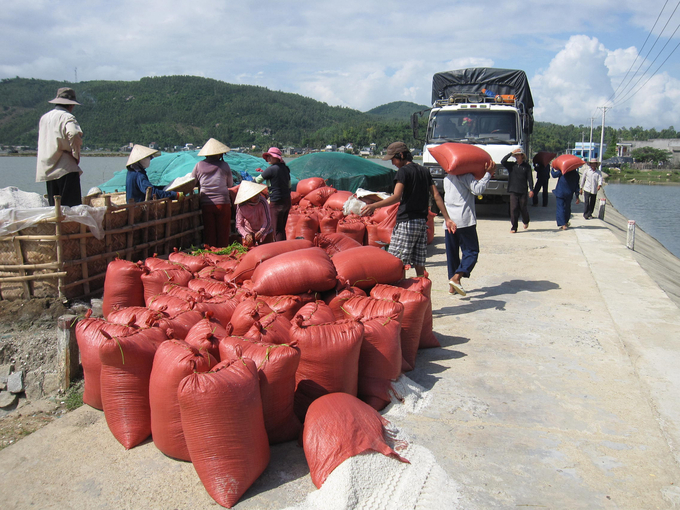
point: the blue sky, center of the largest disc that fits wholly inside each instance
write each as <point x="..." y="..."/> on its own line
<point x="362" y="54"/>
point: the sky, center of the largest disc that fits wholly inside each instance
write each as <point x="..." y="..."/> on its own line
<point x="578" y="55"/>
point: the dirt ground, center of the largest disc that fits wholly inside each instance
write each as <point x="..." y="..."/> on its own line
<point x="28" y="336"/>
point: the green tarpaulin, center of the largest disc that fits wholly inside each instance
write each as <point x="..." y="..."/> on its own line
<point x="343" y="171"/>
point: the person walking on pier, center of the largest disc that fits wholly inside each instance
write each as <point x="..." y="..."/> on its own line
<point x="567" y="185"/>
<point x="520" y="180"/>
<point x="59" y="141"/>
<point x="591" y="182"/>
<point x="412" y="187"/>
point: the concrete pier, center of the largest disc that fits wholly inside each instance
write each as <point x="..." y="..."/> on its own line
<point x="557" y="386"/>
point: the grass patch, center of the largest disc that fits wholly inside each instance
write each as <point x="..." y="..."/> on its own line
<point x="627" y="174"/>
<point x="74" y="397"/>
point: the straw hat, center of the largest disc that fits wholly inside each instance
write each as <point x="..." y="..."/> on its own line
<point x="138" y="153"/>
<point x="213" y="148"/>
<point x="247" y="190"/>
<point x="65" y="96"/>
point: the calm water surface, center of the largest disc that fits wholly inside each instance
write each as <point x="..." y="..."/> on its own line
<point x="656" y="209"/>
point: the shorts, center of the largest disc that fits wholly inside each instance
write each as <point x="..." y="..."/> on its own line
<point x="409" y="241"/>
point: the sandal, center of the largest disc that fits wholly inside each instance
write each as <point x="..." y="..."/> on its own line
<point x="456" y="288"/>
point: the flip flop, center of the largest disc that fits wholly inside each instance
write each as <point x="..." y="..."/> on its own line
<point x="456" y="288"/>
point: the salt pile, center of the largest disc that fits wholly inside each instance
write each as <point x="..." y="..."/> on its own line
<point x="408" y="397"/>
<point x="13" y="198"/>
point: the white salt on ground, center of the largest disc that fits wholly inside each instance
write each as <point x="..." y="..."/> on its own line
<point x="13" y="198"/>
<point x="373" y="481"/>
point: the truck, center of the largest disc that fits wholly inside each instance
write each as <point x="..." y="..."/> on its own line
<point x="483" y="106"/>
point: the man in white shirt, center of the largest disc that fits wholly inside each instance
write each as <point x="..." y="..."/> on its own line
<point x="59" y="141"/>
<point x="591" y="182"/>
<point x="459" y="197"/>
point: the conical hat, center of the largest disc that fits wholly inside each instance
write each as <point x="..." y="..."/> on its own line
<point x="212" y="148"/>
<point x="138" y="153"/>
<point x="247" y="190"/>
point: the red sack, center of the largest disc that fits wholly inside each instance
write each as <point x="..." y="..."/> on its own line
<point x="123" y="285"/>
<point x="193" y="263"/>
<point x="89" y="335"/>
<point x="174" y="360"/>
<point x="339" y="426"/>
<point x="311" y="183"/>
<point x="171" y="305"/>
<point x="329" y="360"/>
<point x="319" y="196"/>
<point x="172" y="289"/>
<point x="366" y="266"/>
<point x="272" y="329"/>
<point x="423" y="285"/>
<point x="154" y="281"/>
<point x="214" y="272"/>
<point x="222" y="307"/>
<point x="224" y="428"/>
<point x="126" y="370"/>
<point x="336" y="298"/>
<point x="544" y="158"/>
<point x="328" y="221"/>
<point x="246" y="313"/>
<point x="337" y="200"/>
<point x="461" y="158"/>
<point x="157" y="264"/>
<point x="139" y="316"/>
<point x="308" y="270"/>
<point x="259" y="254"/>
<point x="295" y="197"/>
<point x="334" y="243"/>
<point x="205" y="335"/>
<point x="216" y="258"/>
<point x="366" y="308"/>
<point x="353" y="226"/>
<point x="315" y="313"/>
<point x="415" y="305"/>
<point x="287" y="306"/>
<point x="294" y="216"/>
<point x="180" y="324"/>
<point x="430" y="226"/>
<point x="380" y="360"/>
<point x="276" y="367"/>
<point x="567" y="162"/>
<point x="307" y="227"/>
<point x="382" y="214"/>
<point x="210" y="287"/>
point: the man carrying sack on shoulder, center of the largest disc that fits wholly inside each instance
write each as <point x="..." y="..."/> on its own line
<point x="59" y="141"/>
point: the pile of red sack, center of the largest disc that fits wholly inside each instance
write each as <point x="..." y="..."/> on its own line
<point x="318" y="208"/>
<point x="218" y="356"/>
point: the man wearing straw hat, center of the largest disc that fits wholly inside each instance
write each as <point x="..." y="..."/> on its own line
<point x="136" y="180"/>
<point x="214" y="180"/>
<point x="253" y="220"/>
<point x="59" y="141"/>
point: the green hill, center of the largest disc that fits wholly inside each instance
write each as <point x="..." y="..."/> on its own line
<point x="174" y="110"/>
<point x="397" y="110"/>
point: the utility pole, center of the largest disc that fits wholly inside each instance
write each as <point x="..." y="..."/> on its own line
<point x="590" y="147"/>
<point x="604" y="111"/>
<point x="76" y="72"/>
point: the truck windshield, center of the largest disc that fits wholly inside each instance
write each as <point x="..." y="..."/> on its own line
<point x="473" y="126"/>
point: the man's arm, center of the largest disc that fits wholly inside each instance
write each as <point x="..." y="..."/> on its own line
<point x="75" y="138"/>
<point x="448" y="222"/>
<point x="396" y="197"/>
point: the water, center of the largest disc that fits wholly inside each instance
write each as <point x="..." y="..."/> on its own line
<point x="655" y="209"/>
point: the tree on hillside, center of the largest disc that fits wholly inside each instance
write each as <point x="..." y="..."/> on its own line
<point x="611" y="143"/>
<point x="651" y="155"/>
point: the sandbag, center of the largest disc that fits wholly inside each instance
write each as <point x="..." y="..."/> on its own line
<point x="157" y="264"/>
<point x="337" y="200"/>
<point x="154" y="280"/>
<point x="329" y="360"/>
<point x="180" y="324"/>
<point x="430" y="226"/>
<point x="90" y="335"/>
<point x="461" y="158"/>
<point x="365" y="308"/>
<point x="295" y="197"/>
<point x="544" y="158"/>
<point x="210" y="287"/>
<point x="246" y="313"/>
<point x="334" y="243"/>
<point x="126" y="370"/>
<point x="317" y="197"/>
<point x="383" y="213"/>
<point x="222" y="307"/>
<point x="224" y="428"/>
<point x="171" y="305"/>
<point x="205" y="335"/>
<point x="276" y="367"/>
<point x="272" y="329"/>
<point x="287" y="306"/>
<point x="423" y="285"/>
<point x="353" y="226"/>
<point x="337" y="297"/>
<point x="366" y="266"/>
<point x="328" y="220"/>
<point x="123" y="285"/>
<point x="567" y="163"/>
<point x="214" y="272"/>
<point x="139" y="316"/>
<point x="174" y="360"/>
<point x="307" y="270"/>
<point x="339" y="426"/>
<point x="172" y="289"/>
<point x="380" y="360"/>
<point x="193" y="263"/>
<point x="415" y="305"/>
<point x="307" y="227"/>
<point x="294" y="216"/>
<point x="263" y="252"/>
<point x="307" y="185"/>
<point x="315" y="313"/>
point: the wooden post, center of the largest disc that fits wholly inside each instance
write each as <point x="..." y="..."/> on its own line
<point x="130" y="234"/>
<point x="108" y="242"/>
<point x="22" y="272"/>
<point x="168" y="225"/>
<point x="60" y="255"/>
<point x="68" y="361"/>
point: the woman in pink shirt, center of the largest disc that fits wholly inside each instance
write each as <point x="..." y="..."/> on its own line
<point x="214" y="180"/>
<point x="252" y="214"/>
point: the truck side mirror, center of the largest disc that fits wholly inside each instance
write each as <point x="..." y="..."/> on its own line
<point x="414" y="124"/>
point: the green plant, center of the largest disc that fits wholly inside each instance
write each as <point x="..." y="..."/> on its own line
<point x="74" y="397"/>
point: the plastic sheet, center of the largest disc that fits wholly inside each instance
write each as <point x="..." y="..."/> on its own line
<point x="14" y="220"/>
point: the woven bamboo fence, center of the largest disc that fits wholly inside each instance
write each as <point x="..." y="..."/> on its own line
<point x="58" y="258"/>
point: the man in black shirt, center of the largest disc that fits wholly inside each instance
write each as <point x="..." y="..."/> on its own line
<point x="412" y="187"/>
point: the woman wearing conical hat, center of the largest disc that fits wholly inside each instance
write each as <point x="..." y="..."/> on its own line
<point x="253" y="221"/>
<point x="214" y="180"/>
<point x="136" y="181"/>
